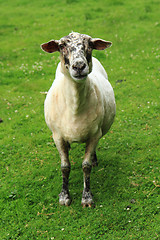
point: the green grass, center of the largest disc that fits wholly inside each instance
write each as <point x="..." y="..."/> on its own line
<point x="126" y="184"/>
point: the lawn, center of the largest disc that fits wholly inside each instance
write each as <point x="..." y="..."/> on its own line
<point x="126" y="183"/>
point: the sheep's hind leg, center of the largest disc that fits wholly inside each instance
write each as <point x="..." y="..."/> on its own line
<point x="94" y="160"/>
<point x="63" y="148"/>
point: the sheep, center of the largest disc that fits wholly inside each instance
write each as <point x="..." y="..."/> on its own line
<point x="80" y="105"/>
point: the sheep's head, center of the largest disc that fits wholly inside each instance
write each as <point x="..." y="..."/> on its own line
<point x="76" y="53"/>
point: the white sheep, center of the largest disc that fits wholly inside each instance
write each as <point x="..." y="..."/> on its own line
<point x="80" y="105"/>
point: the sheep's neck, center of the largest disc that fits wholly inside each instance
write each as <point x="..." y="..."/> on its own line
<point x="76" y="95"/>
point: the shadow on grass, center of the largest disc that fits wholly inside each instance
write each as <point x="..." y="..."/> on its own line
<point x="109" y="181"/>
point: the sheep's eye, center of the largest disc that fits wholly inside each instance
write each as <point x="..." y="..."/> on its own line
<point x="90" y="44"/>
<point x="61" y="46"/>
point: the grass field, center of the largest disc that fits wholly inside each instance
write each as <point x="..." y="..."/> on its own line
<point x="126" y="184"/>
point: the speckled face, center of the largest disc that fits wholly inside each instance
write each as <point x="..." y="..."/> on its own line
<point x="76" y="54"/>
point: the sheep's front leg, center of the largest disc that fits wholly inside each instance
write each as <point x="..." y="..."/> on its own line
<point x="87" y="199"/>
<point x="63" y="148"/>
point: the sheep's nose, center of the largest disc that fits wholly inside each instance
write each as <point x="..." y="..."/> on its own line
<point x="79" y="66"/>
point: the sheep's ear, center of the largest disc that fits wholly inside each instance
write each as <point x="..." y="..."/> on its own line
<point x="100" y="44"/>
<point x="51" y="46"/>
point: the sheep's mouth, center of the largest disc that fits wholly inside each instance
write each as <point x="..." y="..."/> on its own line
<point x="80" y="76"/>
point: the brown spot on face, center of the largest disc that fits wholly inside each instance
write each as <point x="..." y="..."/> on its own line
<point x="89" y="56"/>
<point x="66" y="60"/>
<point x="73" y="48"/>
